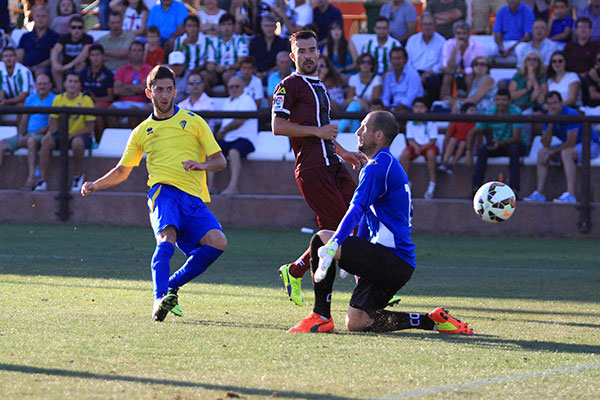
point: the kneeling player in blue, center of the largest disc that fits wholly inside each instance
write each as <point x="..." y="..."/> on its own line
<point x="381" y="254"/>
<point x="180" y="148"/>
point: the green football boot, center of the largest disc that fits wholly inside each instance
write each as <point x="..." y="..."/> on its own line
<point x="292" y="285"/>
<point x="163" y="305"/>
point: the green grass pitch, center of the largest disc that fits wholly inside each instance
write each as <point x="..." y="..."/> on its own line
<point x="75" y="322"/>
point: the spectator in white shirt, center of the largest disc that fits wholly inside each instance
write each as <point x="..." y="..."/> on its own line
<point x="198" y="100"/>
<point x="425" y="54"/>
<point x="253" y="86"/>
<point x="236" y="135"/>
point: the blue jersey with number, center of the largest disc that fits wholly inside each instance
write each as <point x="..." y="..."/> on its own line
<point x="383" y="200"/>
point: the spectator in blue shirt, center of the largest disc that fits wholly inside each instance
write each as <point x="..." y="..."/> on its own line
<point x="32" y="127"/>
<point x="323" y="15"/>
<point x="403" y="19"/>
<point x="168" y="17"/>
<point x="569" y="150"/>
<point x="282" y="71"/>
<point x="402" y="84"/>
<point x="34" y="47"/>
<point x="513" y="26"/>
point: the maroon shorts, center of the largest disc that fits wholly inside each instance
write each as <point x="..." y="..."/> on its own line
<point x="414" y="154"/>
<point x="327" y="191"/>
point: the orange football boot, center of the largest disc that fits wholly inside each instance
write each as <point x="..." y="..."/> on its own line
<point x="313" y="323"/>
<point x="446" y="323"/>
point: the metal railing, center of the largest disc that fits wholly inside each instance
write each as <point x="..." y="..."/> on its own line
<point x="584" y="223"/>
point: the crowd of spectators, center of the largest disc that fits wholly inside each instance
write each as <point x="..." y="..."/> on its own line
<point x="245" y="47"/>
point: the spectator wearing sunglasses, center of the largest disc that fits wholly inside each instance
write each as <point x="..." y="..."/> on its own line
<point x="70" y="52"/>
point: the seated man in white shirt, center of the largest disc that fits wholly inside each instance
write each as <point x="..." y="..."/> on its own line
<point x="425" y="55"/>
<point x="198" y="100"/>
<point x="253" y="86"/>
<point x="236" y="135"/>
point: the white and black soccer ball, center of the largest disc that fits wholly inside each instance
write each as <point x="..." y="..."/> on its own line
<point x="494" y="202"/>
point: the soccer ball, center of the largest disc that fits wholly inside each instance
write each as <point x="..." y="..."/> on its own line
<point x="494" y="202"/>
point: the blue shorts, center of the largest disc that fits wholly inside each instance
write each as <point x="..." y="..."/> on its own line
<point x="243" y="146"/>
<point x="188" y="214"/>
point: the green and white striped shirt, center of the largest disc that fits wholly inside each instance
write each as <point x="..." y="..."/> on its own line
<point x="196" y="53"/>
<point x="227" y="54"/>
<point x="20" y="81"/>
<point x="381" y="54"/>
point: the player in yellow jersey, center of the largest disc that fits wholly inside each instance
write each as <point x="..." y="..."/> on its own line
<point x="180" y="148"/>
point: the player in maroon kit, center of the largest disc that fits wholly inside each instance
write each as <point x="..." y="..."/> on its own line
<point x="301" y="111"/>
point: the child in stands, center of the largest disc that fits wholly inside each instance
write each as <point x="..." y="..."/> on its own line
<point x="421" y="137"/>
<point x="456" y="139"/>
<point x="561" y="23"/>
<point x="154" y="53"/>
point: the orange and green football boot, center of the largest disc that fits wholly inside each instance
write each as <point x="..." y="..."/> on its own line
<point x="446" y="323"/>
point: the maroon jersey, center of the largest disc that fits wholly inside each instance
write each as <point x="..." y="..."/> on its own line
<point x="304" y="100"/>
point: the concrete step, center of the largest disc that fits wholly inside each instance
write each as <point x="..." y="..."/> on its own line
<point x="284" y="211"/>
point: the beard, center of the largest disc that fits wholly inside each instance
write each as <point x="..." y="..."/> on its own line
<point x="308" y="67"/>
<point x="164" y="110"/>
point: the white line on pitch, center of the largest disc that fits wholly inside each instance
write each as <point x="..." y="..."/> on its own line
<point x="488" y="381"/>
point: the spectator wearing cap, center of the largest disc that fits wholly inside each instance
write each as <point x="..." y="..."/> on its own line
<point x="177" y="64"/>
<point x="116" y="43"/>
<point x="130" y="84"/>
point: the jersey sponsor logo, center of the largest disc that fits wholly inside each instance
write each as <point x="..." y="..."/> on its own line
<point x="278" y="103"/>
<point x="183" y="124"/>
<point x="149" y="131"/>
<point x="281" y="91"/>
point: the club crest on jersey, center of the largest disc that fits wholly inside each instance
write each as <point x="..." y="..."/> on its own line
<point x="183" y="124"/>
<point x="149" y="131"/>
<point x="278" y="102"/>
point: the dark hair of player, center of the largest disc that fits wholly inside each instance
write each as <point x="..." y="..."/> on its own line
<point x="159" y="72"/>
<point x="386" y="122"/>
<point x="303" y="34"/>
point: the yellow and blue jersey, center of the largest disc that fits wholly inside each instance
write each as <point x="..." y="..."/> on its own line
<point x="169" y="142"/>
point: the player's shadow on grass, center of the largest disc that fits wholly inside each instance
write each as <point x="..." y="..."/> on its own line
<point x="491" y="341"/>
<point x="26" y="369"/>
